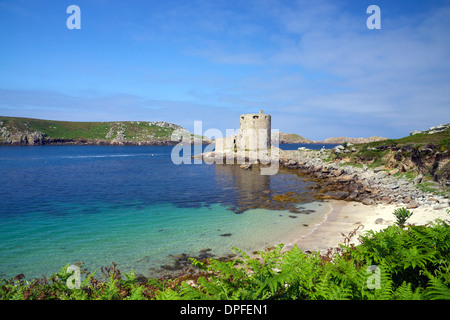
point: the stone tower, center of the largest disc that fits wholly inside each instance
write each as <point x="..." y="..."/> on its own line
<point x="254" y="132"/>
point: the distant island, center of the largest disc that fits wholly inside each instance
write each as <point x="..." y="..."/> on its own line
<point x="295" y="138"/>
<point x="29" y="131"/>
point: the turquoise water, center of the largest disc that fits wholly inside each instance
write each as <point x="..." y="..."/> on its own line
<point x="134" y="207"/>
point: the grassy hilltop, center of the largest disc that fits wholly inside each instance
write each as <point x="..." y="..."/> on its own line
<point x="27" y="131"/>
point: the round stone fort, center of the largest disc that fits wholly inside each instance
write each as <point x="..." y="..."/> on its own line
<point x="254" y="131"/>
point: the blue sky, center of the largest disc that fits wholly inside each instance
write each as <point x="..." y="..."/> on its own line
<point x="313" y="65"/>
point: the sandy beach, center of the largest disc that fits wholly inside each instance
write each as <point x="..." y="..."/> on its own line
<point x="344" y="217"/>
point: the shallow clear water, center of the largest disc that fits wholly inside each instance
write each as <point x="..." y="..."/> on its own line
<point x="131" y="205"/>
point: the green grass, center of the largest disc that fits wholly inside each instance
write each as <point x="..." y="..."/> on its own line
<point x="444" y="144"/>
<point x="355" y="165"/>
<point x="410" y="176"/>
<point x="440" y="139"/>
<point x="431" y="187"/>
<point x="373" y="158"/>
<point x="59" y="129"/>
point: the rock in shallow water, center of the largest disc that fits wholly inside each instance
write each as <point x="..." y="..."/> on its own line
<point x="226" y="234"/>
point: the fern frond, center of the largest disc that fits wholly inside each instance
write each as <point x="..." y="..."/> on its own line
<point x="381" y="290"/>
<point x="405" y="292"/>
<point x="168" y="294"/>
<point x="437" y="289"/>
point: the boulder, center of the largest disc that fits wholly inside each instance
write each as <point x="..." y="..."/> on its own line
<point x="325" y="170"/>
<point x="381" y="175"/>
<point x="338" y="149"/>
<point x="412" y="205"/>
<point x="341" y="195"/>
<point x="371" y="190"/>
<point x="386" y="200"/>
<point x="393" y="171"/>
<point x="345" y="179"/>
<point x="368" y="201"/>
<point x="418" y="179"/>
<point x="352" y="196"/>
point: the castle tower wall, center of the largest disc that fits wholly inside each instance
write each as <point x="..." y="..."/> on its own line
<point x="255" y="132"/>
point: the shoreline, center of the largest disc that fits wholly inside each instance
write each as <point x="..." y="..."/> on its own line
<point x="346" y="216"/>
<point x="339" y="220"/>
<point x="361" y="198"/>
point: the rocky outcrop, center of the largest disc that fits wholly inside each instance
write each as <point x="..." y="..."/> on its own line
<point x="369" y="186"/>
<point x="164" y="124"/>
<point x="426" y="159"/>
<point x="21" y="138"/>
<point x="432" y="130"/>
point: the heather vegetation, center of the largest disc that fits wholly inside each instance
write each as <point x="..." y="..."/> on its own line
<point x="403" y="261"/>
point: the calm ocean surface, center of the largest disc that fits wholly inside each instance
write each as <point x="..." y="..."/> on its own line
<point x="131" y="205"/>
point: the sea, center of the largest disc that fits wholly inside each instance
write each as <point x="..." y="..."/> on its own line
<point x="132" y="205"/>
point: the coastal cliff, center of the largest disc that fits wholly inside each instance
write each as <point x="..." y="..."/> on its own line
<point x="27" y="131"/>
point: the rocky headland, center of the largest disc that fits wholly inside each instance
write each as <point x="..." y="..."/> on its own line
<point x="31" y="132"/>
<point x="294" y="139"/>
